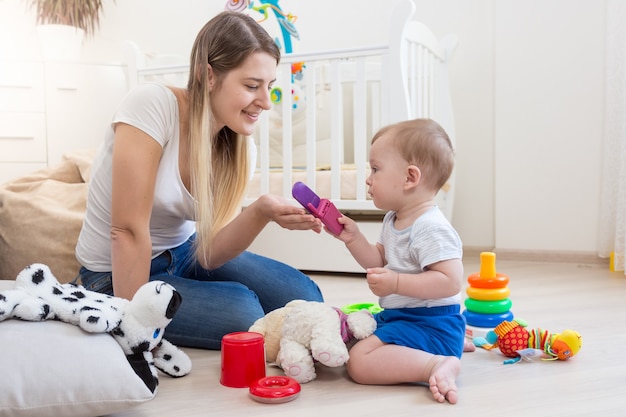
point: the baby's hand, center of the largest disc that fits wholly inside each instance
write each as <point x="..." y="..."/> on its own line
<point x="382" y="281"/>
<point x="350" y="230"/>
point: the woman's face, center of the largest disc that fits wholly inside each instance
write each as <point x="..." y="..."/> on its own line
<point x="244" y="93"/>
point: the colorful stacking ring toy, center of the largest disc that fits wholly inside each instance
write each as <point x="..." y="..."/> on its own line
<point x="275" y="389"/>
<point x="486" y="320"/>
<point x="488" y="304"/>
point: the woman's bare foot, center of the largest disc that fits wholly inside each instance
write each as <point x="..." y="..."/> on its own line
<point x="468" y="346"/>
<point x="442" y="379"/>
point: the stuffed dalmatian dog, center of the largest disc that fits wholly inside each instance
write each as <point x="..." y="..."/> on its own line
<point x="137" y="325"/>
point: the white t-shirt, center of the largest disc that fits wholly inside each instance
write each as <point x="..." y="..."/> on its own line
<point x="430" y="239"/>
<point x="153" y="109"/>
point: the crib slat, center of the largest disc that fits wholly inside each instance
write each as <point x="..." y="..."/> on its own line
<point x="311" y="130"/>
<point x="360" y="129"/>
<point x="430" y="74"/>
<point x="421" y="94"/>
<point x="336" y="129"/>
<point x="415" y="86"/>
<point x="264" y="154"/>
<point x="284" y="80"/>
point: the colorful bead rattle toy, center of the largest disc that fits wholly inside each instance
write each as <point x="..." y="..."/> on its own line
<point x="517" y="342"/>
<point x="488" y="304"/>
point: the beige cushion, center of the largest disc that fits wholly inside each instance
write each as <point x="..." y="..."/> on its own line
<point x="42" y="214"/>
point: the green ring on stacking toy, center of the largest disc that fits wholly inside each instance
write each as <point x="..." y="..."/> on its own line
<point x="371" y="307"/>
<point x="488" y="307"/>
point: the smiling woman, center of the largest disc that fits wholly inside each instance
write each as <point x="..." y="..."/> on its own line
<point x="156" y="206"/>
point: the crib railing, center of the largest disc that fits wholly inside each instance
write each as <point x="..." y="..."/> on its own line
<point x="402" y="80"/>
<point x="421" y="80"/>
<point x="327" y="76"/>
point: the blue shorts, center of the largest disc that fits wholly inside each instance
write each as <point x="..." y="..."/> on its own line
<point x="436" y="330"/>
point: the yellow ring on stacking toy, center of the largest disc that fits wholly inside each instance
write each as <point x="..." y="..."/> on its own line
<point x="488" y="294"/>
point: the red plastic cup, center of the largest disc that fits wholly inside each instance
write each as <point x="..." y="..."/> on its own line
<point x="243" y="359"/>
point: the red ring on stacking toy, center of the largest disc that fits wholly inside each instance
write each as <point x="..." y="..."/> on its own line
<point x="275" y="389"/>
<point x="477" y="281"/>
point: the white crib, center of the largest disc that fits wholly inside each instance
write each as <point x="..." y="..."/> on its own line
<point x="319" y="131"/>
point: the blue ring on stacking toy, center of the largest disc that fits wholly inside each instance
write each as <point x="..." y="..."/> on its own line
<point x="486" y="320"/>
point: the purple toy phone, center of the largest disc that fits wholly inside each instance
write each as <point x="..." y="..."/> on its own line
<point x="321" y="208"/>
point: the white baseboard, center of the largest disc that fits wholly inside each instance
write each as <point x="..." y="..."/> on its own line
<point x="308" y="251"/>
<point x="537" y="255"/>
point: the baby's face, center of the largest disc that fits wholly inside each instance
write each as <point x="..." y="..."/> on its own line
<point x="388" y="173"/>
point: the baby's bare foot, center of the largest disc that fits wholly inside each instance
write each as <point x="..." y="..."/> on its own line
<point x="468" y="346"/>
<point x="443" y="379"/>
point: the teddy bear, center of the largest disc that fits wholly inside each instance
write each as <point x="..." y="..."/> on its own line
<point x="302" y="332"/>
<point x="137" y="325"/>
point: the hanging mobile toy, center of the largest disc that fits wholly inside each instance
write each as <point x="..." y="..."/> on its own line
<point x="237" y="5"/>
<point x="262" y="11"/>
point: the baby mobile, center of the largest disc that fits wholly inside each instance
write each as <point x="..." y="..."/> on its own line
<point x="262" y="11"/>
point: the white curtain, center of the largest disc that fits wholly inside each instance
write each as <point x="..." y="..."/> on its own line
<point x="613" y="205"/>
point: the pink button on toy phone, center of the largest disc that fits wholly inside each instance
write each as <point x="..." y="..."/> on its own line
<point x="321" y="208"/>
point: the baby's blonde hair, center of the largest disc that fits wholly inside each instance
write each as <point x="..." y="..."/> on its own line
<point x="219" y="164"/>
<point x="425" y="144"/>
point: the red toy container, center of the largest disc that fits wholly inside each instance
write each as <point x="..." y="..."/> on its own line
<point x="243" y="359"/>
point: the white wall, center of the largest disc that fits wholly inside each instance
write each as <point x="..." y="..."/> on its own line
<point x="549" y="97"/>
<point x="527" y="83"/>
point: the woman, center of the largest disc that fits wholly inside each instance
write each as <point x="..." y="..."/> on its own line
<point x="166" y="190"/>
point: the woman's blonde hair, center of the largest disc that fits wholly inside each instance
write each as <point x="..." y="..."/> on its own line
<point x="425" y="144"/>
<point x="219" y="164"/>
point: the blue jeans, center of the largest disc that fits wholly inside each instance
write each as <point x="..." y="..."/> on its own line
<point x="219" y="301"/>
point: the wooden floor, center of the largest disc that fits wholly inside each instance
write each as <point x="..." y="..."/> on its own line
<point x="553" y="296"/>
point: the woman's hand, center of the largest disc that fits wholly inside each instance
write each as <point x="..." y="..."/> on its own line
<point x="285" y="214"/>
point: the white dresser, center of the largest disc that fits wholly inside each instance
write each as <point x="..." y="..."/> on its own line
<point x="50" y="108"/>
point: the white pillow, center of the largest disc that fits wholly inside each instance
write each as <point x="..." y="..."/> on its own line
<point x="56" y="369"/>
